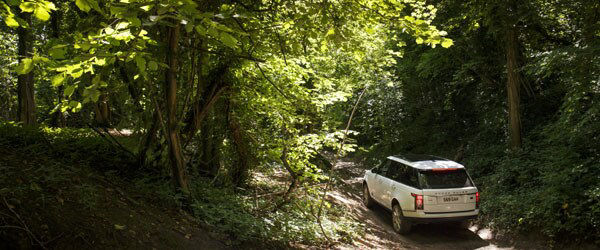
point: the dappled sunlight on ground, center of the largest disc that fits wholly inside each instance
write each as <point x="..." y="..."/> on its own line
<point x="378" y="232"/>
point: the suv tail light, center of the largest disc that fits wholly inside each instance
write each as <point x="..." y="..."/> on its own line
<point x="419" y="201"/>
<point x="477" y="199"/>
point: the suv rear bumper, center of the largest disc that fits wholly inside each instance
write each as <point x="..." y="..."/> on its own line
<point x="422" y="217"/>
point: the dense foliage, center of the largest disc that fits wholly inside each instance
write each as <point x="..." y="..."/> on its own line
<point x="202" y="95"/>
<point x="452" y="102"/>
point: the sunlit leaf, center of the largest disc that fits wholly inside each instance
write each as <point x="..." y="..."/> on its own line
<point x="11" y="22"/>
<point x="83" y="5"/>
<point x="58" y="80"/>
<point x="25" y="66"/>
<point x="446" y="43"/>
<point x="27" y="6"/>
<point x="75" y="106"/>
<point x="41" y="13"/>
<point x="419" y="40"/>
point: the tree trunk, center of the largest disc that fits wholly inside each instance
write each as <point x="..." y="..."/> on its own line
<point x="25" y="88"/>
<point x="210" y="141"/>
<point x="148" y="139"/>
<point x="102" y="112"/>
<point x="239" y="170"/>
<point x="206" y="98"/>
<point x="513" y="86"/>
<point x="175" y="151"/>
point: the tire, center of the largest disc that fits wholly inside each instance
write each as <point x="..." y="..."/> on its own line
<point x="401" y="225"/>
<point x="367" y="200"/>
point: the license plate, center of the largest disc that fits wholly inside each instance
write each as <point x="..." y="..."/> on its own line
<point x="450" y="199"/>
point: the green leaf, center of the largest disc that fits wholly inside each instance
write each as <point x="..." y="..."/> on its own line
<point x="83" y="5"/>
<point x="11" y="22"/>
<point x="446" y="43"/>
<point x="141" y="63"/>
<point x="91" y="93"/>
<point x="117" y="11"/>
<point x="152" y="65"/>
<point x="100" y="61"/>
<point x="124" y="35"/>
<point x="189" y="28"/>
<point x="58" y="80"/>
<point x="96" y="79"/>
<point x="228" y="40"/>
<point x="63" y="108"/>
<point x="134" y="21"/>
<point x="57" y="52"/>
<point x="76" y="73"/>
<point x="109" y="30"/>
<point x="75" y="106"/>
<point x="40" y="59"/>
<point x="27" y="6"/>
<point x="419" y="40"/>
<point x="41" y="13"/>
<point x="121" y="25"/>
<point x="201" y="30"/>
<point x="13" y="2"/>
<point x="50" y="5"/>
<point x="25" y="66"/>
<point x="330" y="32"/>
<point x="95" y="95"/>
<point x="69" y="90"/>
<point x="147" y="7"/>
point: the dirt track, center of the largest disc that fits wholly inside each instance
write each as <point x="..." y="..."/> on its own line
<point x="379" y="232"/>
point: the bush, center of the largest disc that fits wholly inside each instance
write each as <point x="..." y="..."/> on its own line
<point x="68" y="145"/>
<point x="226" y="211"/>
<point x="552" y="184"/>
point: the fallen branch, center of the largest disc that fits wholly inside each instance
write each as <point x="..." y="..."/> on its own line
<point x="283" y="191"/>
<point x="24" y="225"/>
<point x="337" y="156"/>
<point x="108" y="184"/>
<point x="113" y="141"/>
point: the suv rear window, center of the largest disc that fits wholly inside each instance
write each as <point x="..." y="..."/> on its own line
<point x="444" y="179"/>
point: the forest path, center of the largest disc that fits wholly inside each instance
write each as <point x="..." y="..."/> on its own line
<point x="379" y="233"/>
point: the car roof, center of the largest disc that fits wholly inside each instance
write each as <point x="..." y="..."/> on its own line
<point x="425" y="162"/>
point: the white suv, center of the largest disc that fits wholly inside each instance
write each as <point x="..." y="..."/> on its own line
<point x="421" y="189"/>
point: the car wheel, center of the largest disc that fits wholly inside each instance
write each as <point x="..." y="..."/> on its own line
<point x="401" y="225"/>
<point x="367" y="200"/>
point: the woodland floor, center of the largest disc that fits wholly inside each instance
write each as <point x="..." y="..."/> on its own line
<point x="45" y="202"/>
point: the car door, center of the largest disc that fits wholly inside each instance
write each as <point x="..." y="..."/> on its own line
<point x="388" y="186"/>
<point x="401" y="185"/>
<point x="376" y="184"/>
<point x="409" y="186"/>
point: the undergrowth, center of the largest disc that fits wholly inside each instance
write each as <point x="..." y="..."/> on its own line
<point x="549" y="187"/>
<point x="235" y="216"/>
